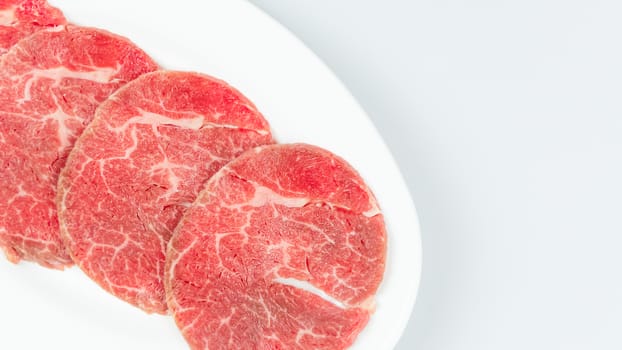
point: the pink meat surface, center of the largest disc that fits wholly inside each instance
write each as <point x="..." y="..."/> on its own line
<point x="50" y="86"/>
<point x="283" y="249"/>
<point x="139" y="165"/>
<point x="20" y="18"/>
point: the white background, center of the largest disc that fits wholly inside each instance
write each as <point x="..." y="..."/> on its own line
<point x="506" y="120"/>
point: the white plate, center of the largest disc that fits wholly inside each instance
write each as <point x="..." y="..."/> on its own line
<point x="303" y="101"/>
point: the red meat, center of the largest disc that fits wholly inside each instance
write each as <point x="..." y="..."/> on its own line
<point x="50" y="85"/>
<point x="20" y="18"/>
<point x="283" y="249"/>
<point x="136" y="169"/>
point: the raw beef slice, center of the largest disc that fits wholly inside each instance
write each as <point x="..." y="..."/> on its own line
<point x="283" y="249"/>
<point x="20" y="18"/>
<point x="50" y="85"/>
<point x="139" y="165"/>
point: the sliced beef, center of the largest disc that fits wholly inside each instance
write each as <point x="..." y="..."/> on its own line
<point x="283" y="249"/>
<point x="50" y="85"/>
<point x="20" y="18"/>
<point x="139" y="165"/>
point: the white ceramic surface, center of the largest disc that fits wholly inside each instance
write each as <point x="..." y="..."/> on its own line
<point x="303" y="101"/>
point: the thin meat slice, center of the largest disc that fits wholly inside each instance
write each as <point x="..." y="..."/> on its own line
<point x="50" y="85"/>
<point x="139" y="165"/>
<point x="283" y="249"/>
<point x="20" y="18"/>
